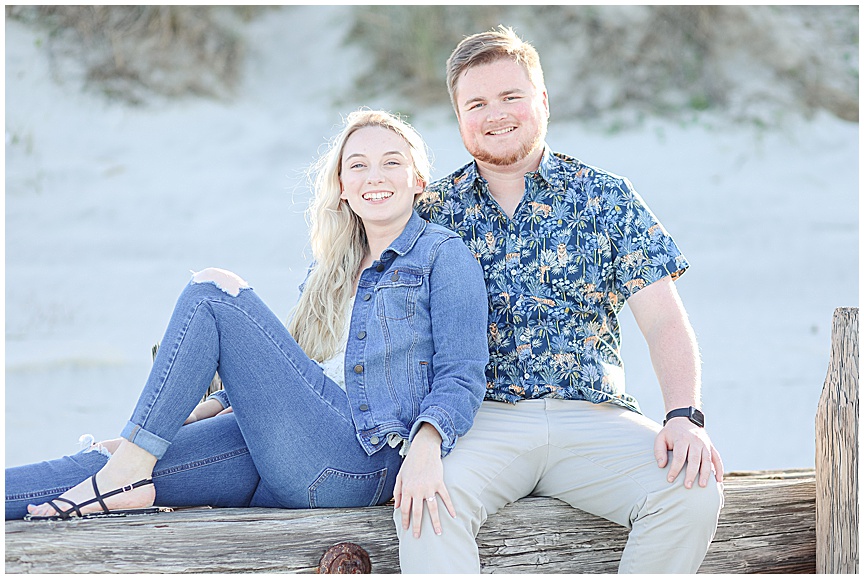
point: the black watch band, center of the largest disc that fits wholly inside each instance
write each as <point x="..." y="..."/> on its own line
<point x="691" y="413"/>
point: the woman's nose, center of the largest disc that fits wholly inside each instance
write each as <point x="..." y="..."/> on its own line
<point x="374" y="176"/>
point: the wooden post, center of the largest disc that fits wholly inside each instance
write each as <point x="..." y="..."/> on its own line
<point x="837" y="452"/>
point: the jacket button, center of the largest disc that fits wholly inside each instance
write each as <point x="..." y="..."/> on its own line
<point x="358" y="368"/>
<point x="364" y="407"/>
<point x="367" y="297"/>
<point x="361" y="335"/>
<point x="374" y="440"/>
<point x="395" y="276"/>
<point x="380" y="267"/>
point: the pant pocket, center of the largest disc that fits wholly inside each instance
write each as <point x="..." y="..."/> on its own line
<point x="335" y="488"/>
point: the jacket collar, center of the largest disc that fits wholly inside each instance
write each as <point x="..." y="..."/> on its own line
<point x="409" y="236"/>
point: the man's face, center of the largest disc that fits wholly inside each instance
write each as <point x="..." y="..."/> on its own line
<point x="502" y="115"/>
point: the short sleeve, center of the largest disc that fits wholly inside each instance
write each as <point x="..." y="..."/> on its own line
<point x="642" y="250"/>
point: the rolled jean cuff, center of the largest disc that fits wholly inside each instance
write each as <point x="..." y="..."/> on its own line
<point x="222" y="397"/>
<point x="146" y="440"/>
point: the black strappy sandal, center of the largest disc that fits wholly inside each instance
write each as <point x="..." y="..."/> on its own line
<point x="106" y="512"/>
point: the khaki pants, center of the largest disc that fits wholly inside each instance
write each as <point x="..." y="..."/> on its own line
<point x="596" y="457"/>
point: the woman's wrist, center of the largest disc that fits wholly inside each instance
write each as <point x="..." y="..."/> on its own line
<point x="428" y="437"/>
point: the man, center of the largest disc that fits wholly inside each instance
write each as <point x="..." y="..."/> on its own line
<point x="563" y="245"/>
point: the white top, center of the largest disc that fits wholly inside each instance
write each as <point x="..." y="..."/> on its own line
<point x="334" y="367"/>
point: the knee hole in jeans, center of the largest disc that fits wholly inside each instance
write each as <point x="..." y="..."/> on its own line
<point x="227" y="281"/>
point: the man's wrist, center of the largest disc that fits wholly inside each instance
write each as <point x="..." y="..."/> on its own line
<point x="692" y="413"/>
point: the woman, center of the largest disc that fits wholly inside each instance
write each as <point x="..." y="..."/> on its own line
<point x="387" y="345"/>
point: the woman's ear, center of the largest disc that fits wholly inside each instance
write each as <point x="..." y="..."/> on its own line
<point x="342" y="192"/>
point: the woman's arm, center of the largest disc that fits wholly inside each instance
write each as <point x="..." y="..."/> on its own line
<point x="459" y="310"/>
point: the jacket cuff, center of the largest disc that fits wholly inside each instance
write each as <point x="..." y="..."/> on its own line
<point x="448" y="435"/>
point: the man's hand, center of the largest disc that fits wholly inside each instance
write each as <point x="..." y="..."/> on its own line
<point x="421" y="478"/>
<point x="689" y="444"/>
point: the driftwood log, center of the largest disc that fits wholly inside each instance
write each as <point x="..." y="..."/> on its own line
<point x="766" y="526"/>
<point x="837" y="452"/>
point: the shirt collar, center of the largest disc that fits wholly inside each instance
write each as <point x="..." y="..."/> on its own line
<point x="409" y="236"/>
<point x="549" y="169"/>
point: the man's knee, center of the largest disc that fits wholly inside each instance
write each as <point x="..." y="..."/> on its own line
<point x="701" y="504"/>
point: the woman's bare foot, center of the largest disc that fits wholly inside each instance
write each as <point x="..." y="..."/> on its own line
<point x="127" y="465"/>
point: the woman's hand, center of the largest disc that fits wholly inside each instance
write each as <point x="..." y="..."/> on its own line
<point x="207" y="409"/>
<point x="420" y="479"/>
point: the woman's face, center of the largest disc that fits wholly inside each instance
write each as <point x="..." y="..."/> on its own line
<point x="378" y="178"/>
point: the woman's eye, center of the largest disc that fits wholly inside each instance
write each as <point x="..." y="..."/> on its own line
<point x="356" y="166"/>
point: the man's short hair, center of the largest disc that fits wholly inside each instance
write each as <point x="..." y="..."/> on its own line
<point x="487" y="47"/>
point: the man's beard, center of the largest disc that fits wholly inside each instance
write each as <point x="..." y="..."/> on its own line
<point x="525" y="149"/>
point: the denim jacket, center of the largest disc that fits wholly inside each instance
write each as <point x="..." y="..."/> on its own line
<point x="417" y="347"/>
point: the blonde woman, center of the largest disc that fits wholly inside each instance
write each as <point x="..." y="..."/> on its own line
<point x="383" y="359"/>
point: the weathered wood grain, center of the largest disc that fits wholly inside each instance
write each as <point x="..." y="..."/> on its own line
<point x="767" y="525"/>
<point x="837" y="451"/>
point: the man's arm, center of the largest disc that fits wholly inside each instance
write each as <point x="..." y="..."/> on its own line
<point x="663" y="321"/>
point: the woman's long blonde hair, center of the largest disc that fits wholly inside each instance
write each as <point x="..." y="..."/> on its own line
<point x="338" y="238"/>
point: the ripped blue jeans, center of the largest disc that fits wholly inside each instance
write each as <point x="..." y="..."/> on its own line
<point x="290" y="442"/>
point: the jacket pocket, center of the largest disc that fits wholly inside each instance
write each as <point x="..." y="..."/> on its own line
<point x="397" y="293"/>
<point x="336" y="488"/>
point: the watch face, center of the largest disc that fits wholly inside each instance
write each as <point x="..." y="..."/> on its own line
<point x="697" y="418"/>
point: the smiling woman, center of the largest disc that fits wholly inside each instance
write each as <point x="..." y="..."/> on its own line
<point x="379" y="183"/>
<point x="398" y="302"/>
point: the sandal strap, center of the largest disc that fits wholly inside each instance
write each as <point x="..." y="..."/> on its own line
<point x="99" y="496"/>
<point x="67" y="513"/>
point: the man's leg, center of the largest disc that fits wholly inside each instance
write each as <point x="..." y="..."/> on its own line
<point x="497" y="462"/>
<point x="602" y="462"/>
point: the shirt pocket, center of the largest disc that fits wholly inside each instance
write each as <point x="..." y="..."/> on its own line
<point x="397" y="293"/>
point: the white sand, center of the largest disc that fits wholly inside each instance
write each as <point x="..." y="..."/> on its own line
<point x="109" y="207"/>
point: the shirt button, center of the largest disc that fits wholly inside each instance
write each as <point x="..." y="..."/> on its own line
<point x="364" y="407"/>
<point x="367" y="297"/>
<point x="527" y="375"/>
<point x="361" y="335"/>
<point x="358" y="368"/>
<point x="374" y="440"/>
<point x="380" y="267"/>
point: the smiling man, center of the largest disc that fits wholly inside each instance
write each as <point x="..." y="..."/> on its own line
<point x="563" y="246"/>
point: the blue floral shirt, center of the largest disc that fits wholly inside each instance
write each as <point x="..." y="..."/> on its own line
<point x="580" y="242"/>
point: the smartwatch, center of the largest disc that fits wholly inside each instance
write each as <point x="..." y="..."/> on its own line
<point x="693" y="414"/>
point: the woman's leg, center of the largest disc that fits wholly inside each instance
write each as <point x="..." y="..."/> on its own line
<point x="297" y="423"/>
<point x="207" y="464"/>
